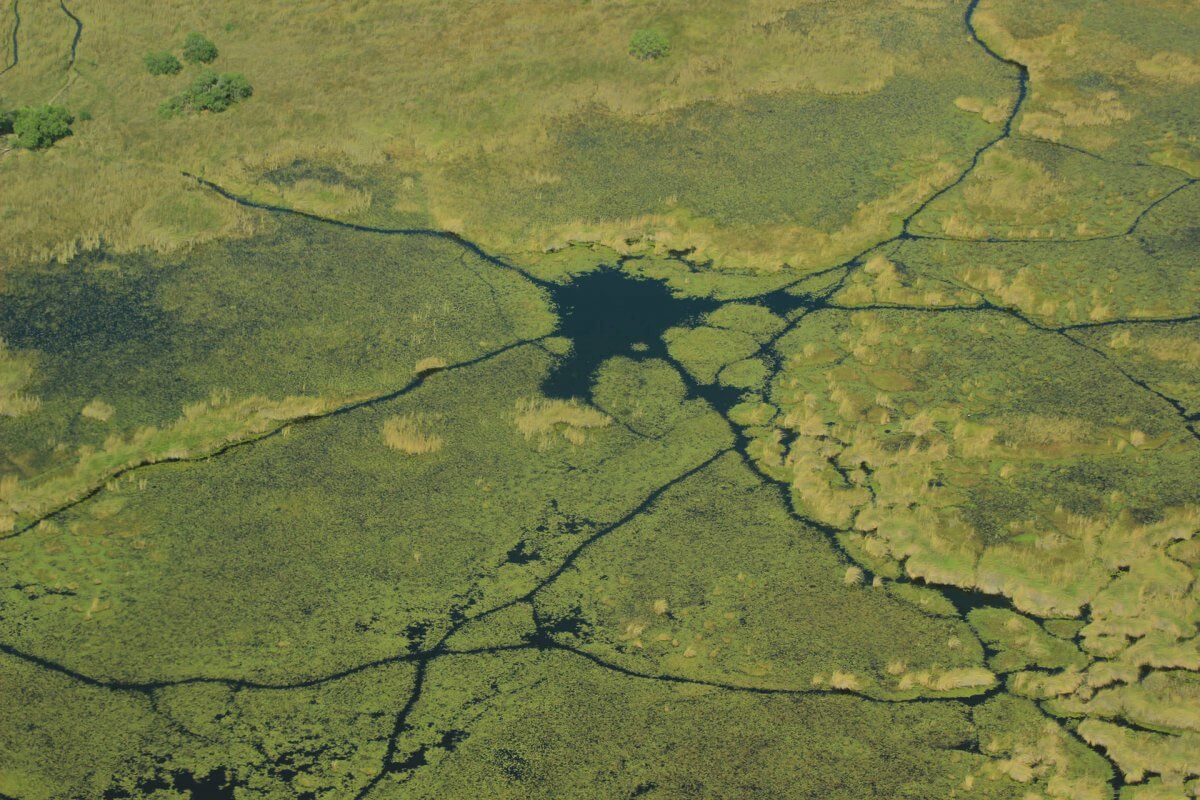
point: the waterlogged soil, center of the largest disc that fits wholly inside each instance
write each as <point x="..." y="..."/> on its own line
<point x="534" y="544"/>
<point x="623" y="546"/>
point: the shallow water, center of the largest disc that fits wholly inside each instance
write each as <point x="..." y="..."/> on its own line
<point x="609" y="313"/>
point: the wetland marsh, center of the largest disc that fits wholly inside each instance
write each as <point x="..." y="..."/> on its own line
<point x="773" y="400"/>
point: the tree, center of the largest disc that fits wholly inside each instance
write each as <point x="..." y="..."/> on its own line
<point x="649" y="44"/>
<point x="162" y="63"/>
<point x="209" y="91"/>
<point x="197" y="49"/>
<point x="41" y="126"/>
<point x="6" y="121"/>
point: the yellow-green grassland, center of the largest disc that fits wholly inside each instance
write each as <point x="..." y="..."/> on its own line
<point x="604" y="399"/>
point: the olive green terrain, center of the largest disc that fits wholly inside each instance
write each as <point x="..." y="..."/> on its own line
<point x="477" y="410"/>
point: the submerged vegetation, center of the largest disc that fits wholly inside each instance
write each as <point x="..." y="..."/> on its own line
<point x="803" y="405"/>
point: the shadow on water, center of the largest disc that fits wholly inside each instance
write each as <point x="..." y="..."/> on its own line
<point x="609" y="313"/>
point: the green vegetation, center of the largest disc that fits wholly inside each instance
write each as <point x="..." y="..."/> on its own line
<point x="1034" y="190"/>
<point x="794" y="400"/>
<point x="668" y="594"/>
<point x="965" y="482"/>
<point x="197" y="49"/>
<point x="527" y="717"/>
<point x="1128" y="98"/>
<point x="649" y="44"/>
<point x="209" y="91"/>
<point x="38" y="127"/>
<point x="490" y="148"/>
<point x="110" y="316"/>
<point x="162" y="63"/>
<point x="703" y="351"/>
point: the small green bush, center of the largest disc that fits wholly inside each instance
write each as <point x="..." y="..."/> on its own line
<point x="209" y="92"/>
<point x="6" y="121"/>
<point x="197" y="49"/>
<point x="41" y="126"/>
<point x="162" y="63"/>
<point x="648" y="44"/>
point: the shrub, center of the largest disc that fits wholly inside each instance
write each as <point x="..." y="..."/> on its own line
<point x="162" y="63"/>
<point x="648" y="44"/>
<point x="41" y="126"/>
<point x="6" y="121"/>
<point x="209" y="92"/>
<point x="197" y="49"/>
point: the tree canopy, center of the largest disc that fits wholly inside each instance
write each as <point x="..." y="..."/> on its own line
<point x="38" y="127"/>
<point x="162" y="63"/>
<point x="209" y="91"/>
<point x="648" y="44"/>
<point x="198" y="49"/>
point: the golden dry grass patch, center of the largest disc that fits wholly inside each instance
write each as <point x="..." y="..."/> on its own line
<point x="98" y="410"/>
<point x="408" y="433"/>
<point x="541" y="418"/>
<point x="1167" y="348"/>
<point x="881" y="281"/>
<point x="846" y="681"/>
<point x="994" y="112"/>
<point x="429" y="364"/>
<point x="945" y="680"/>
<point x="1170" y="67"/>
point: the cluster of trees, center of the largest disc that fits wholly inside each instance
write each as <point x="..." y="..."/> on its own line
<point x="36" y="127"/>
<point x="208" y="91"/>
<point x="197" y="49"/>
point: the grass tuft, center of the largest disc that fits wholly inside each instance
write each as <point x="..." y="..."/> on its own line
<point x="430" y="364"/>
<point x="97" y="409"/>
<point x="405" y="433"/>
<point x="540" y="418"/>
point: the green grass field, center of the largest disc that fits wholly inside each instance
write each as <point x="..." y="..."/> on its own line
<point x="781" y="399"/>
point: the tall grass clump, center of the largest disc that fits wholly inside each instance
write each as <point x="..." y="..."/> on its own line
<point x="404" y="433"/>
<point x="541" y="417"/>
<point x="15" y="375"/>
